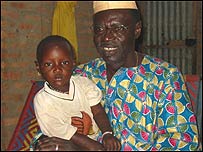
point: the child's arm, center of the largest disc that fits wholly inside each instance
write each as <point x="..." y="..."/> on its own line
<point x="109" y="141"/>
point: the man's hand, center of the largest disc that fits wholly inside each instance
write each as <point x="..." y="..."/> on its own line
<point x="56" y="144"/>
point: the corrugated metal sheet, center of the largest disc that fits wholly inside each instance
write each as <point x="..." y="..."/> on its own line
<point x="166" y="26"/>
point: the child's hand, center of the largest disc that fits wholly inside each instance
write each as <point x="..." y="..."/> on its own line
<point x="83" y="124"/>
<point x="111" y="143"/>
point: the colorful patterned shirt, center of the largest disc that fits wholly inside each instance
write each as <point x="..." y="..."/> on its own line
<point x="148" y="105"/>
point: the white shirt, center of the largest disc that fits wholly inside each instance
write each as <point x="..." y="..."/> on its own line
<point x="54" y="109"/>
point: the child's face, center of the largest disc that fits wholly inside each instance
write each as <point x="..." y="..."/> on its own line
<point x="56" y="67"/>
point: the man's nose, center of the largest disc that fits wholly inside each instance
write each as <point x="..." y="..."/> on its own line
<point x="108" y="34"/>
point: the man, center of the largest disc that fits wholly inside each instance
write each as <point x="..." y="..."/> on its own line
<point x="145" y="98"/>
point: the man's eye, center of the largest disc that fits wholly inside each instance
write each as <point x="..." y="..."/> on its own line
<point x="47" y="64"/>
<point x="98" y="29"/>
<point x="119" y="28"/>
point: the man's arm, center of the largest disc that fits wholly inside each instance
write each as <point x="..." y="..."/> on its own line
<point x="86" y="143"/>
<point x="177" y="128"/>
<point x="78" y="142"/>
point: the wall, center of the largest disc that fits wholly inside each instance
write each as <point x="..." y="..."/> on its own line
<point x="83" y="14"/>
<point x="23" y="25"/>
<point x="166" y="27"/>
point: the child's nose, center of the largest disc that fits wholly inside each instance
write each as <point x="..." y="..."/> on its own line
<point x="57" y="68"/>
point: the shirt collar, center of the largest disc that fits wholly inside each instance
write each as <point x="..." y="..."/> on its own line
<point x="60" y="95"/>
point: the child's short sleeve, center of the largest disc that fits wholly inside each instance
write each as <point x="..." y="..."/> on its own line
<point x="91" y="91"/>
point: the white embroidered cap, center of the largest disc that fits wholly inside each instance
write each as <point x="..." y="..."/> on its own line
<point x="106" y="5"/>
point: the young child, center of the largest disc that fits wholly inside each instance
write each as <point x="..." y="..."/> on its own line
<point x="68" y="107"/>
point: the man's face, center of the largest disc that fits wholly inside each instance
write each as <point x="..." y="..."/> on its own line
<point x="114" y="35"/>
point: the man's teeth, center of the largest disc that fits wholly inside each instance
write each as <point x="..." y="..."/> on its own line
<point x="109" y="49"/>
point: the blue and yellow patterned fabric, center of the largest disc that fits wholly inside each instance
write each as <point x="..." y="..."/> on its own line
<point x="148" y="105"/>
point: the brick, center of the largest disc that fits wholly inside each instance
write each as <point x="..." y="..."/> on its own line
<point x="18" y="5"/>
<point x="34" y="35"/>
<point x="11" y="75"/>
<point x="16" y="97"/>
<point x="6" y="35"/>
<point x="20" y="64"/>
<point x="3" y="45"/>
<point x="9" y="14"/>
<point x="4" y="108"/>
<point x="10" y="121"/>
<point x="19" y="85"/>
<point x="32" y="74"/>
<point x="17" y="44"/>
<point x="3" y="65"/>
<point x="25" y="26"/>
<point x="4" y="86"/>
<point x="6" y="55"/>
<point x="4" y="23"/>
<point x="3" y="34"/>
<point x="31" y="17"/>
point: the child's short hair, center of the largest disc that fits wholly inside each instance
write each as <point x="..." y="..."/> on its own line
<point x="52" y="40"/>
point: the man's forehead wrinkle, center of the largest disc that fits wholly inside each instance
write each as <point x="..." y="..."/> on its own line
<point x="112" y="18"/>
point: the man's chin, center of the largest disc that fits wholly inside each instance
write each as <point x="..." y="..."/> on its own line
<point x="113" y="64"/>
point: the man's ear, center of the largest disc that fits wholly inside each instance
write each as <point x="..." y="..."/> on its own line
<point x="138" y="29"/>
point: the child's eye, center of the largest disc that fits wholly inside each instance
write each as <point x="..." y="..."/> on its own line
<point x="47" y="64"/>
<point x="65" y="62"/>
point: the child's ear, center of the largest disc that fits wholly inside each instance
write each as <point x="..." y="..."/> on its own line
<point x="74" y="63"/>
<point x="37" y="66"/>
